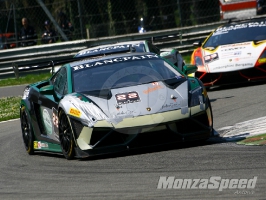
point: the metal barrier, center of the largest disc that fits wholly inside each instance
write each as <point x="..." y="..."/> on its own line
<point x="179" y="38"/>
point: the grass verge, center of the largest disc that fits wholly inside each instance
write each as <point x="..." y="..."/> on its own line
<point x="32" y="78"/>
<point x="9" y="108"/>
<point x="254" y="140"/>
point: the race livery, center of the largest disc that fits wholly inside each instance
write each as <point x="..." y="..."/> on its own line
<point x="234" y="52"/>
<point x="113" y="103"/>
<point x="135" y="46"/>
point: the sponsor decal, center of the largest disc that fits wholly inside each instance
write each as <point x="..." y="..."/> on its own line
<point x="127" y="97"/>
<point x="113" y="60"/>
<point x="239" y="26"/>
<point x="170" y="105"/>
<point x="240" y="45"/>
<point x="244" y="65"/>
<point x="39" y="145"/>
<point x="214" y="182"/>
<point x="233" y="49"/>
<point x="55" y="122"/>
<point x="234" y="65"/>
<point x="128" y="112"/>
<point x="47" y="121"/>
<point x="35" y="144"/>
<point x="107" y="48"/>
<point x="211" y="57"/>
<point x="75" y="112"/>
<point x="156" y="86"/>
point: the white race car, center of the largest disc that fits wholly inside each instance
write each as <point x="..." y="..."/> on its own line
<point x="234" y="52"/>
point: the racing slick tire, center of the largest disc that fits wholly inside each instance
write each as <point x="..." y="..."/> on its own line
<point x="66" y="136"/>
<point x="27" y="131"/>
<point x="203" y="141"/>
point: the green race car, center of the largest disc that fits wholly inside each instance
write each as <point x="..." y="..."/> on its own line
<point x="113" y="103"/>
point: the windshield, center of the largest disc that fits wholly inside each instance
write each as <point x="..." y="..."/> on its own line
<point x="253" y="31"/>
<point x="123" y="74"/>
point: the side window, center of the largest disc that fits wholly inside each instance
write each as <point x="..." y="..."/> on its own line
<point x="60" y="82"/>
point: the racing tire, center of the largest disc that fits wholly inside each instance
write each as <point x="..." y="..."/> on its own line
<point x="27" y="131"/>
<point x="203" y="141"/>
<point x="66" y="136"/>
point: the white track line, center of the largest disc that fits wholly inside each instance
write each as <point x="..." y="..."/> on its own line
<point x="9" y="120"/>
<point x="244" y="129"/>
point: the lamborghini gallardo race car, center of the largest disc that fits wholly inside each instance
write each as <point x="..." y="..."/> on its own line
<point x="135" y="46"/>
<point x="234" y="52"/>
<point x="113" y="103"/>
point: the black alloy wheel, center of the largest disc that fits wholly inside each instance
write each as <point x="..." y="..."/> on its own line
<point x="66" y="136"/>
<point x="27" y="134"/>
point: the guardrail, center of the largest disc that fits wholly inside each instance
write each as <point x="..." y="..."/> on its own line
<point x="179" y="38"/>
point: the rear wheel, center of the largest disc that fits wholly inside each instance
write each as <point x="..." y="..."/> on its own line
<point x="66" y="136"/>
<point x="27" y="132"/>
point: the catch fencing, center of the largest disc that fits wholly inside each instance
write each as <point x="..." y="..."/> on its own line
<point x="104" y="18"/>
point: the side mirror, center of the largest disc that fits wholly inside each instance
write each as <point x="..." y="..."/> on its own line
<point x="189" y="69"/>
<point x="47" y="90"/>
<point x="197" y="44"/>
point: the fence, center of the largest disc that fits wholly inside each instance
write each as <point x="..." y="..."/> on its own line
<point x="105" y="21"/>
<point x="179" y="38"/>
<point x="103" y="18"/>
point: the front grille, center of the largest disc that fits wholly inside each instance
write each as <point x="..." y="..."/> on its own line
<point x="194" y="124"/>
<point x="107" y="136"/>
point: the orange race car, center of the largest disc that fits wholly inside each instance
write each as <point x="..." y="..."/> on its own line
<point x="234" y="52"/>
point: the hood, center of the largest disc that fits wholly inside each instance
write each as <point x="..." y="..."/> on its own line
<point x="126" y="102"/>
<point x="232" y="57"/>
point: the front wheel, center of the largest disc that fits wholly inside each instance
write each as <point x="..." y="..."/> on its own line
<point x="66" y="136"/>
<point x="27" y="132"/>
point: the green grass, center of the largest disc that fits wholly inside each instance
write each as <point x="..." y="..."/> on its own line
<point x="186" y="57"/>
<point x="254" y="140"/>
<point x="24" y="80"/>
<point x="9" y="108"/>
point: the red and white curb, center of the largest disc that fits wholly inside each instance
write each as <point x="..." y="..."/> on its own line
<point x="243" y="130"/>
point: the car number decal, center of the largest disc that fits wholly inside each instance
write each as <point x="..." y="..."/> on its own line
<point x="128" y="97"/>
